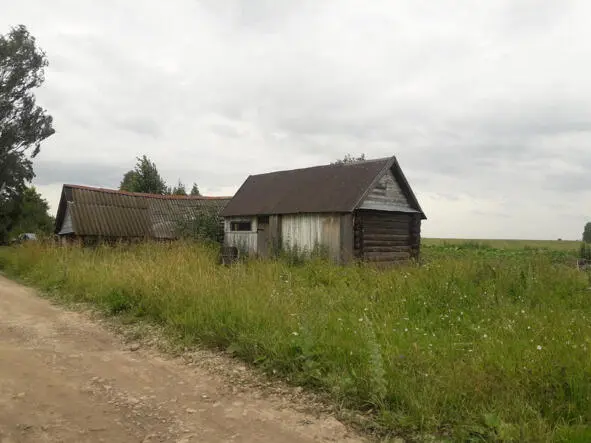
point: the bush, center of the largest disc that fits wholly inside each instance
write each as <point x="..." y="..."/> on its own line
<point x="207" y="226"/>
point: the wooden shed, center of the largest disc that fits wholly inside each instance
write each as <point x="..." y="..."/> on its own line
<point x="363" y="210"/>
<point x="96" y="213"/>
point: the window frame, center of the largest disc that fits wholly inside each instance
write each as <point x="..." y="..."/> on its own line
<point x="239" y="225"/>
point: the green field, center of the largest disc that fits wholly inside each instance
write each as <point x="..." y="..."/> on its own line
<point x="485" y="341"/>
<point x="558" y="245"/>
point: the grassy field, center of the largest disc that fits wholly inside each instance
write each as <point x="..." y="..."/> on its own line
<point x="483" y="342"/>
<point x="554" y="245"/>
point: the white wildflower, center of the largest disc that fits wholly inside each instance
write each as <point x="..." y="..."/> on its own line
<point x="539" y="348"/>
<point x="294" y="333"/>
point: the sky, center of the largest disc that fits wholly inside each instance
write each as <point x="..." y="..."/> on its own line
<point x="486" y="105"/>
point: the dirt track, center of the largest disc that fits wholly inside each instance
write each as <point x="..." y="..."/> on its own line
<point x="66" y="378"/>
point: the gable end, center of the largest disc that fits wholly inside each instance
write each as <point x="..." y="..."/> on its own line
<point x="387" y="195"/>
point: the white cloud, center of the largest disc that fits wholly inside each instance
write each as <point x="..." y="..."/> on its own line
<point x="487" y="106"/>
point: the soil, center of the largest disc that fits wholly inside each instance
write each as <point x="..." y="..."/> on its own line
<point x="66" y="376"/>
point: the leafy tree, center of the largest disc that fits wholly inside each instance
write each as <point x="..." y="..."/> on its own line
<point x="144" y="178"/>
<point x="195" y="190"/>
<point x="587" y="233"/>
<point x="33" y="214"/>
<point x="350" y="159"/>
<point x="179" y="189"/>
<point x="23" y="124"/>
<point x="207" y="226"/>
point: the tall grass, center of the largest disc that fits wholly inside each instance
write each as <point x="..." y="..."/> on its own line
<point x="481" y="347"/>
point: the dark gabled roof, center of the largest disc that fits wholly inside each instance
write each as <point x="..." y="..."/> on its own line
<point x="113" y="213"/>
<point x="320" y="189"/>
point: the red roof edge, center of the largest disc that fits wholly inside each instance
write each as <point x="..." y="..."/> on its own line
<point x="141" y="194"/>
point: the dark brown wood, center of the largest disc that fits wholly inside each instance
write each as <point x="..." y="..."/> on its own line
<point x="394" y="234"/>
<point x="275" y="234"/>
<point x="347" y="238"/>
<point x="415" y="237"/>
<point x="386" y="237"/>
<point x="369" y="249"/>
<point x="387" y="256"/>
<point x="402" y="242"/>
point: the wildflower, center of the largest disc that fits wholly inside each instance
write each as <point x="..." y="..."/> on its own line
<point x="485" y="336"/>
<point x="539" y="348"/>
<point x="294" y="333"/>
<point x="360" y="319"/>
<point x="405" y="329"/>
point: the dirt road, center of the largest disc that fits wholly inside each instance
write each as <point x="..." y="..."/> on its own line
<point x="66" y="378"/>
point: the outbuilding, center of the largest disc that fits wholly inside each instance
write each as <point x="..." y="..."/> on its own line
<point x="91" y="214"/>
<point x="352" y="211"/>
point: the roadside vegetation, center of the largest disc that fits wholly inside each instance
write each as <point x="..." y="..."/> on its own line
<point x="482" y="342"/>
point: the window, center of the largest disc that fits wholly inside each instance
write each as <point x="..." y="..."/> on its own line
<point x="240" y="226"/>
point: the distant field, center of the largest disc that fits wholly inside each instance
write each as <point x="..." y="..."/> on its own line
<point x="559" y="245"/>
<point x="488" y="340"/>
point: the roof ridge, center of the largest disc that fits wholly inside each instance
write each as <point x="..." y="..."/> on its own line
<point x="146" y="195"/>
<point x="329" y="165"/>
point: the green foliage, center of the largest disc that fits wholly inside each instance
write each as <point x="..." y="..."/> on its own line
<point x="587" y="233"/>
<point x="179" y="189"/>
<point x="205" y="226"/>
<point x="585" y="251"/>
<point x="195" y="190"/>
<point x="349" y="159"/>
<point x="23" y="124"/>
<point x="144" y="178"/>
<point x="478" y="344"/>
<point x="33" y="214"/>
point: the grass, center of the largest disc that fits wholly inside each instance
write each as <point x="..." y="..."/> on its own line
<point x="478" y="344"/>
<point x="554" y="245"/>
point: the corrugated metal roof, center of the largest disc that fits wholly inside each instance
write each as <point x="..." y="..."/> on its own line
<point x="319" y="189"/>
<point x="111" y="213"/>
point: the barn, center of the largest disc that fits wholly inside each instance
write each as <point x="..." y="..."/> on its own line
<point x="352" y="211"/>
<point x="92" y="214"/>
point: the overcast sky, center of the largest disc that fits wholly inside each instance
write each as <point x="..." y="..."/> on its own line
<point x="487" y="105"/>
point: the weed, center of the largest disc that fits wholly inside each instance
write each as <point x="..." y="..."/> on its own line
<point x="481" y="342"/>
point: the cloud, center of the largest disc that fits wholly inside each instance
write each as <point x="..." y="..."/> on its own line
<point x="486" y="106"/>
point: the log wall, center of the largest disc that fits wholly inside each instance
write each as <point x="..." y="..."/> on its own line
<point x="386" y="237"/>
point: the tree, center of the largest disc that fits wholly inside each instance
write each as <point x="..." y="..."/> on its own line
<point x="23" y="124"/>
<point x="350" y="159"/>
<point x="179" y="189"/>
<point x="33" y="214"/>
<point x="195" y="190"/>
<point x="144" y="178"/>
<point x="587" y="233"/>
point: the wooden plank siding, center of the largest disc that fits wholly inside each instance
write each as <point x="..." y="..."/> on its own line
<point x="386" y="195"/>
<point x="386" y="237"/>
<point x="245" y="241"/>
<point x="305" y="232"/>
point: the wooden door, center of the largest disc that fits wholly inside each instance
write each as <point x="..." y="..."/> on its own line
<point x="263" y="238"/>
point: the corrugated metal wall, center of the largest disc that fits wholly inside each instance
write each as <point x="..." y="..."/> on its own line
<point x="243" y="240"/>
<point x="305" y="232"/>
